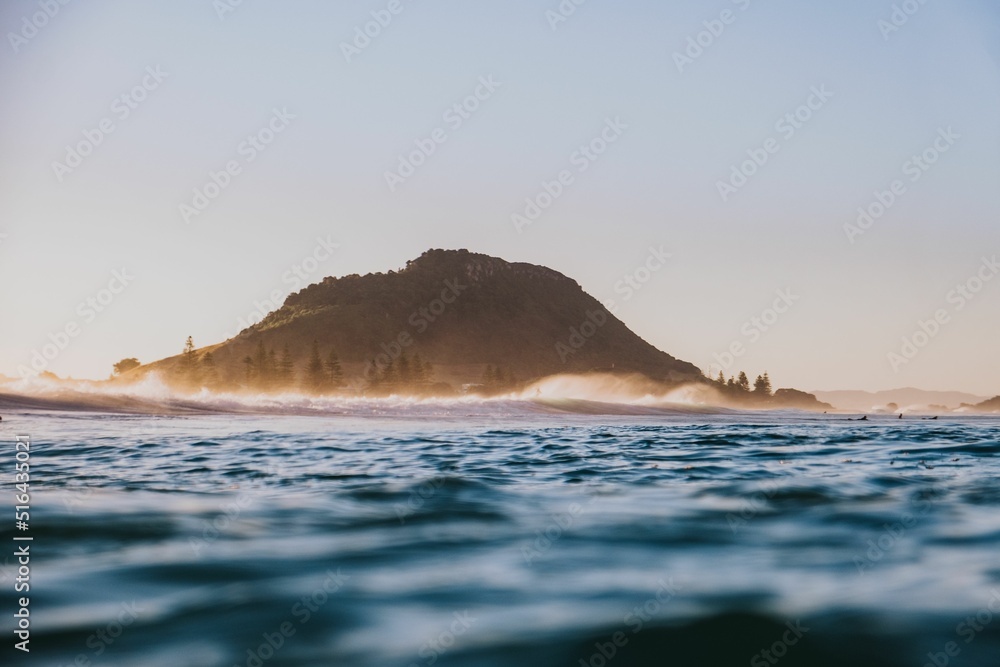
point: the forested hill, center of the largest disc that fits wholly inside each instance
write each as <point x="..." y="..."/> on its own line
<point x="464" y="315"/>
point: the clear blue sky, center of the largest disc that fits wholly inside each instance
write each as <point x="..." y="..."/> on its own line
<point x="657" y="185"/>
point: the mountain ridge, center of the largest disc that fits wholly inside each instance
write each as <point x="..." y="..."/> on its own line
<point x="460" y="311"/>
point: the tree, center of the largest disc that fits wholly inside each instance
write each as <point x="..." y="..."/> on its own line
<point x="389" y="373"/>
<point x="372" y="374"/>
<point x="189" y="362"/>
<point x="260" y="364"/>
<point x="721" y="381"/>
<point x="286" y="368"/>
<point x="272" y="368"/>
<point x="333" y="370"/>
<point x="496" y="379"/>
<point x="125" y="365"/>
<point x="419" y="370"/>
<point x="315" y="376"/>
<point x="210" y="373"/>
<point x="762" y="386"/>
<point x="250" y="371"/>
<point x="405" y="369"/>
<point x="743" y="382"/>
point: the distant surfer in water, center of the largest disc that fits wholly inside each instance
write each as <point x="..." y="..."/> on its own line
<point x="860" y="419"/>
<point x="900" y="415"/>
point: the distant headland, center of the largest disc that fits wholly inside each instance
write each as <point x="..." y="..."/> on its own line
<point x="450" y="322"/>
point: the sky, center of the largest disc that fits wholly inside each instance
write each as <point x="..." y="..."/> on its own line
<point x="740" y="138"/>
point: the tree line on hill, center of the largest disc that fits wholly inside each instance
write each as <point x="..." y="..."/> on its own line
<point x="264" y="370"/>
<point x="738" y="388"/>
<point x="497" y="380"/>
<point x="267" y="370"/>
<point x="398" y="373"/>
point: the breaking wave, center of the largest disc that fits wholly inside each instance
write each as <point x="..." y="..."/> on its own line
<point x="566" y="393"/>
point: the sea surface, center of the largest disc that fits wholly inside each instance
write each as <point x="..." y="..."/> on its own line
<point x="526" y="533"/>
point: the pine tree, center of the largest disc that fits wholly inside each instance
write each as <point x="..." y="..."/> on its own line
<point x="389" y="374"/>
<point x="762" y="386"/>
<point x="721" y="381"/>
<point x="417" y="372"/>
<point x="744" y="382"/>
<point x="372" y="374"/>
<point x="286" y="368"/>
<point x="404" y="369"/>
<point x="260" y="365"/>
<point x="333" y="370"/>
<point x="189" y="362"/>
<point x="248" y="363"/>
<point x="210" y="374"/>
<point x="272" y="368"/>
<point x="315" y="377"/>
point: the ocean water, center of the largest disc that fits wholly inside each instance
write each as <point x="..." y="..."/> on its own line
<point x="529" y="533"/>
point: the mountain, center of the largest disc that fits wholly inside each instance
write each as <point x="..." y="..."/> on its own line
<point x="459" y="311"/>
<point x="992" y="405"/>
<point x="864" y="401"/>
